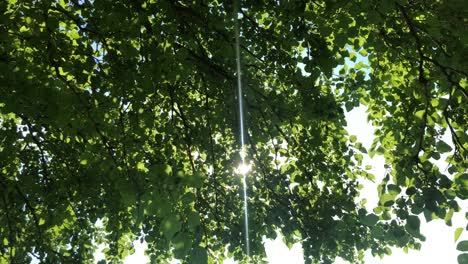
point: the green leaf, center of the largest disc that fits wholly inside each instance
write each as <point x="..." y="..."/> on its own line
<point x="74" y="34"/>
<point x="193" y="220"/>
<point x="359" y="158"/>
<point x="360" y="65"/>
<point x="393" y="189"/>
<point x="420" y="114"/>
<point x="457" y="234"/>
<point x="158" y="172"/>
<point x="349" y="106"/>
<point x="410" y="191"/>
<point x="462" y="258"/>
<point x="387" y="199"/>
<point x="412" y="224"/>
<point x="417" y="209"/>
<point x="23" y="29"/>
<point x="377" y="232"/>
<point x="363" y="52"/>
<point x="370" y="219"/>
<point x="141" y="167"/>
<point x="443" y="147"/>
<point x="182" y="244"/>
<point x="463" y="245"/>
<point x="448" y="217"/>
<point x="170" y="226"/>
<point x="429" y="215"/>
<point x="194" y="180"/>
<point x="127" y="192"/>
<point x="199" y="255"/>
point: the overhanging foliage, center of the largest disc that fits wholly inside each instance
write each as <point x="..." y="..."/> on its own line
<point x="125" y="111"/>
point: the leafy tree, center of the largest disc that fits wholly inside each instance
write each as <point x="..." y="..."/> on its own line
<point x="125" y="111"/>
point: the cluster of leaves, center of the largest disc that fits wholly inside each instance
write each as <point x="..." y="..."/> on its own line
<point x="124" y="112"/>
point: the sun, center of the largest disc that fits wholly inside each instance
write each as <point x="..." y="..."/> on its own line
<point x="243" y="169"/>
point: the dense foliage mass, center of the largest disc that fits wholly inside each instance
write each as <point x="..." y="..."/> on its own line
<point x="124" y="113"/>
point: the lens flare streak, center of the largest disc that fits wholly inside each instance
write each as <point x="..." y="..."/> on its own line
<point x="243" y="168"/>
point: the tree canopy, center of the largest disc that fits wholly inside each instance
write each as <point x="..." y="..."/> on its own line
<point x="126" y="112"/>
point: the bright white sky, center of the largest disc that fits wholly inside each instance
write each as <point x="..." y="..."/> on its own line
<point x="439" y="247"/>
